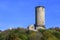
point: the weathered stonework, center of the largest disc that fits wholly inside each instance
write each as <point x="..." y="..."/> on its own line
<point x="39" y="18"/>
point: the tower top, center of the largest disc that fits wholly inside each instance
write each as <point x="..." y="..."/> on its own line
<point x="40" y="6"/>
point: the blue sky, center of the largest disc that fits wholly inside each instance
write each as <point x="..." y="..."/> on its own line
<point x="21" y="13"/>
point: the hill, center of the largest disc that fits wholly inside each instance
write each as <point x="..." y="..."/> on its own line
<point x="24" y="34"/>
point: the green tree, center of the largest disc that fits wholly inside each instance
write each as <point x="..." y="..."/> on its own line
<point x="12" y="36"/>
<point x="49" y="36"/>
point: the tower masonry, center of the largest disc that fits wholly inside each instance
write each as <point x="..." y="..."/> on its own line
<point x="40" y="17"/>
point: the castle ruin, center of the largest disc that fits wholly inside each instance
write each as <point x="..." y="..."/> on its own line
<point x="39" y="19"/>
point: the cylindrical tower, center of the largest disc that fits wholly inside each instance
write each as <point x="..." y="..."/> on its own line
<point x="40" y="16"/>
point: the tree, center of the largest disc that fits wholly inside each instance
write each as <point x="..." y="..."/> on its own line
<point x="12" y="36"/>
<point x="49" y="36"/>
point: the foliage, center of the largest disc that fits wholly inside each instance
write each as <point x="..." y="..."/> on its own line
<point x="24" y="34"/>
<point x="49" y="36"/>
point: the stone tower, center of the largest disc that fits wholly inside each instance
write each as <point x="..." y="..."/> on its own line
<point x="40" y="17"/>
